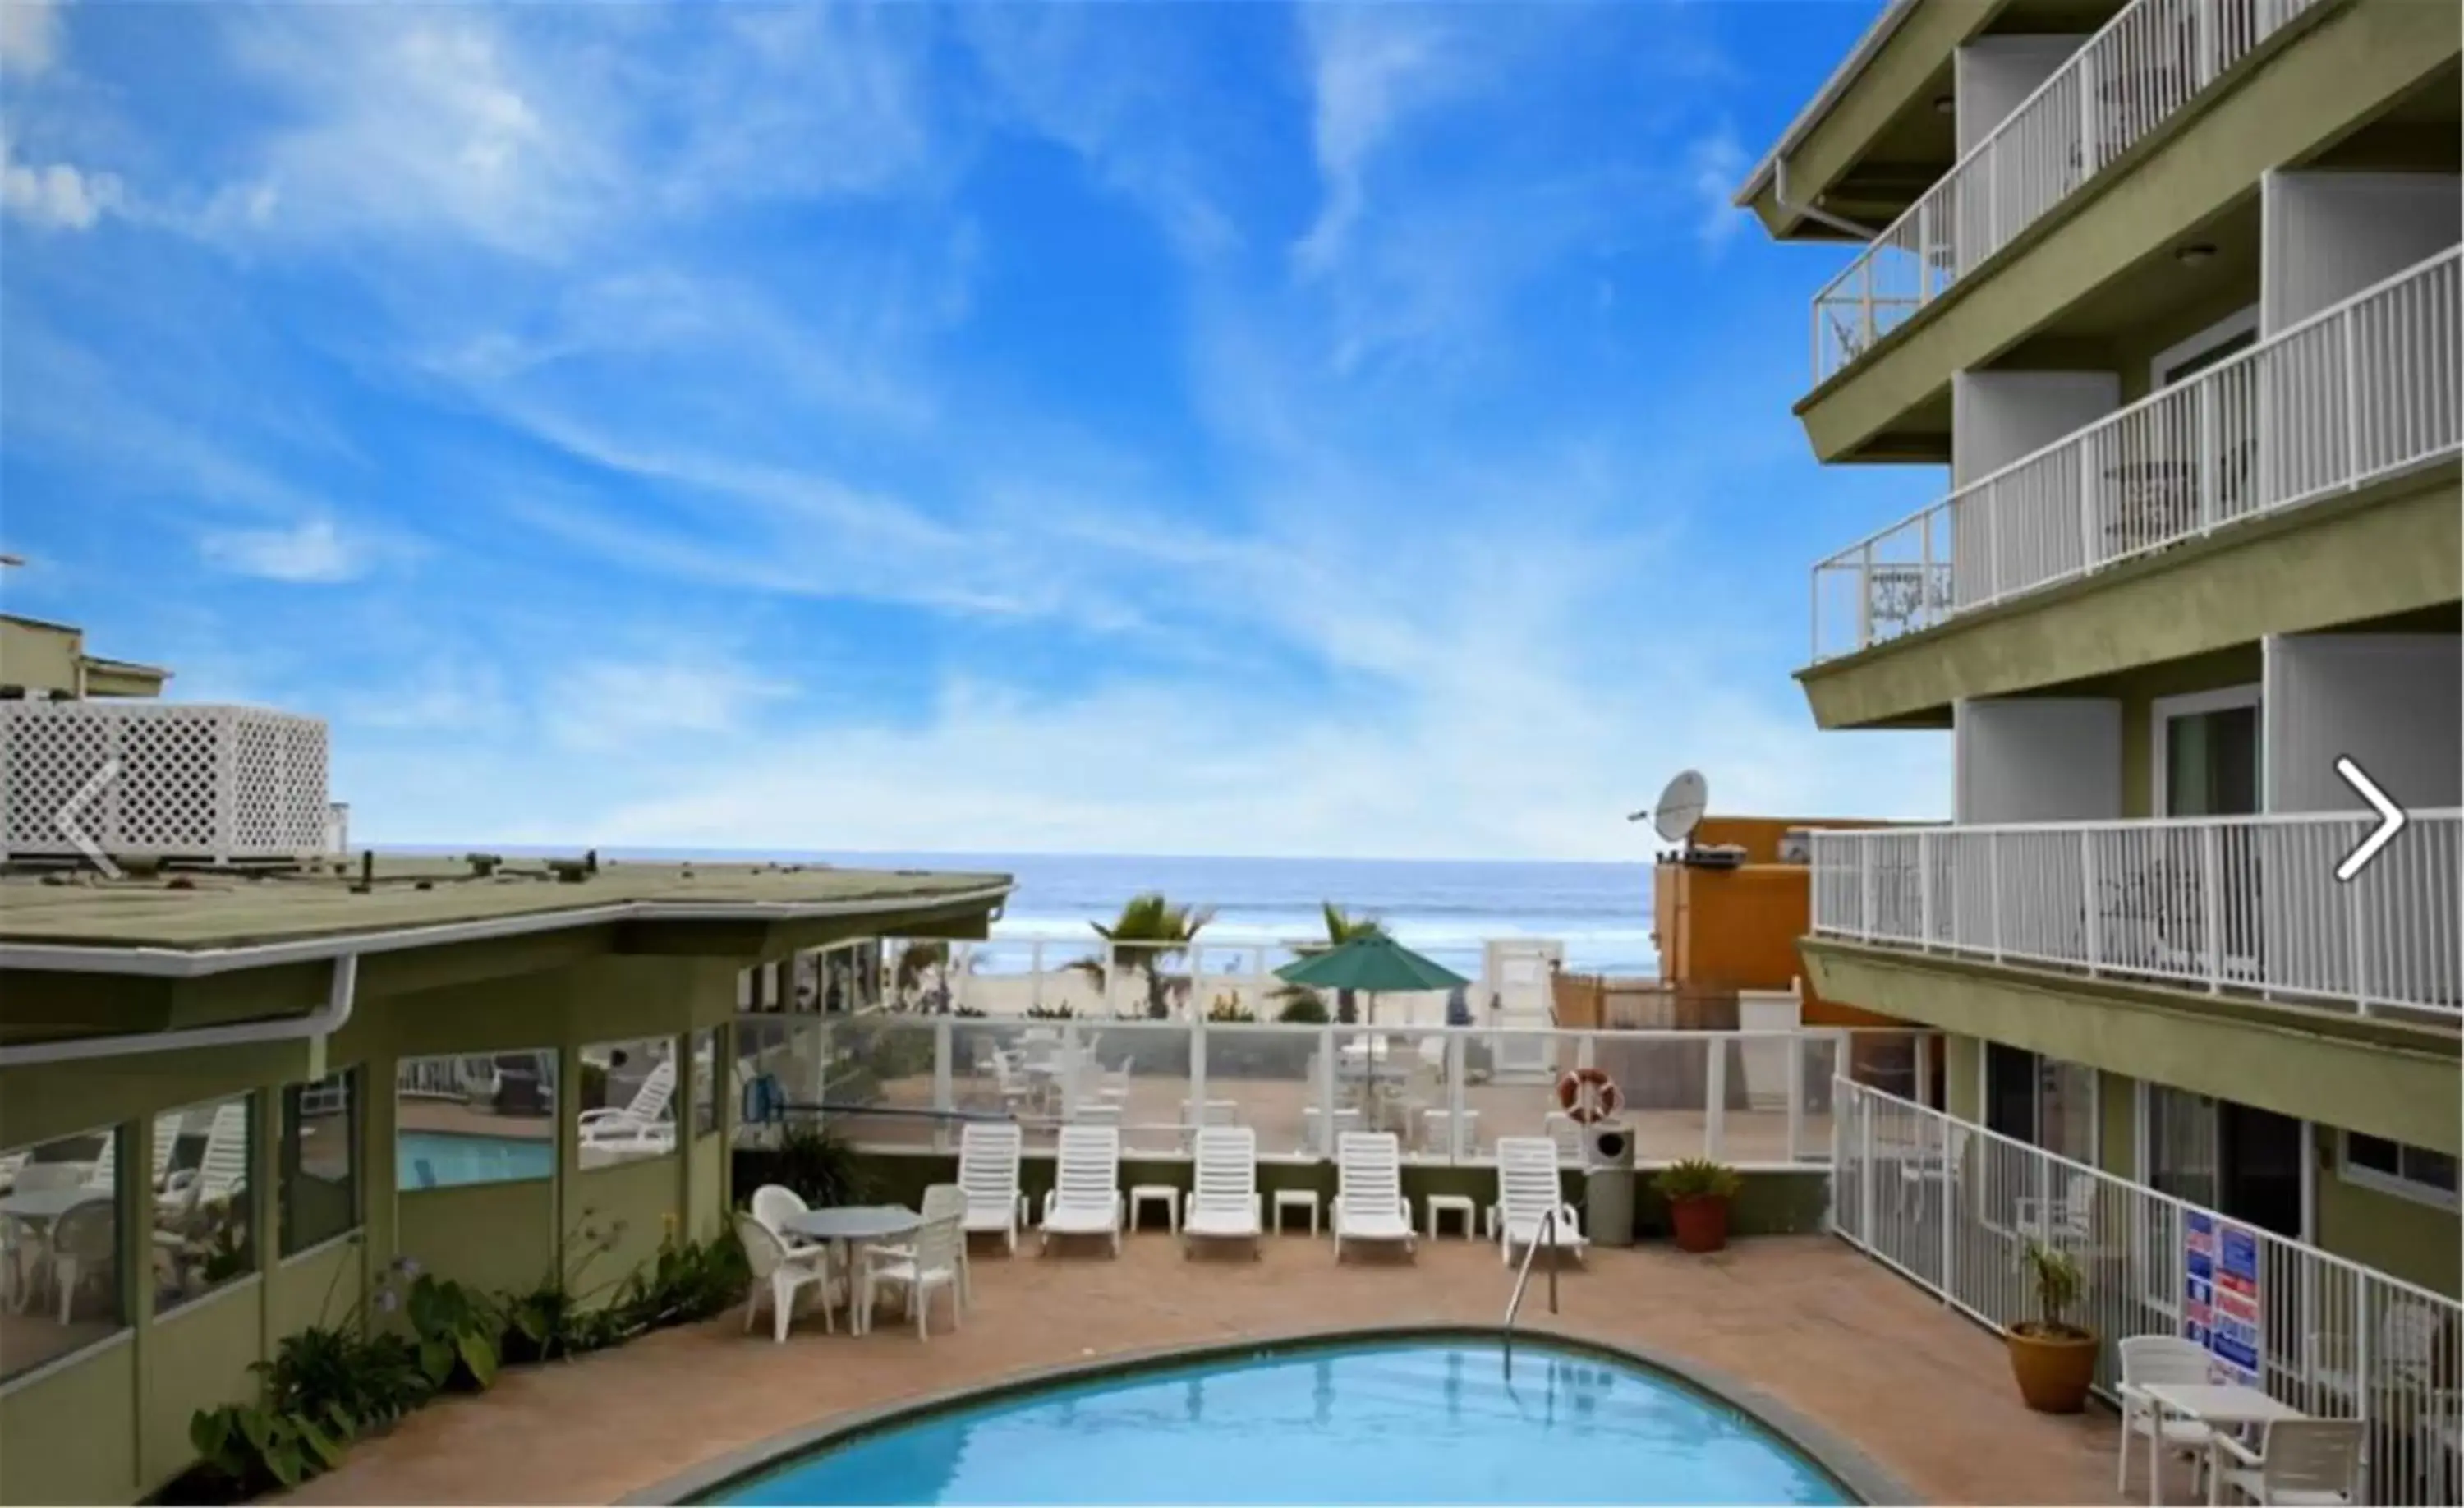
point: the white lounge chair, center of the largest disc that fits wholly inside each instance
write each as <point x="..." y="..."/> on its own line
<point x="988" y="1159"/>
<point x="1086" y="1194"/>
<point x="915" y="1272"/>
<point x="166" y="1140"/>
<point x="221" y="1171"/>
<point x="2311" y="1463"/>
<point x="781" y="1275"/>
<point x="1225" y="1204"/>
<point x="640" y="1126"/>
<point x="2156" y="1359"/>
<point x="1526" y="1192"/>
<point x="1369" y="1203"/>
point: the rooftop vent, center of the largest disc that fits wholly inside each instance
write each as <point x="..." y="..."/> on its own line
<point x="179" y="782"/>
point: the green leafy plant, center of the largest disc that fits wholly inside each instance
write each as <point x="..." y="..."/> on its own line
<point x="822" y="1168"/>
<point x="1230" y="1012"/>
<point x="2055" y="1281"/>
<point x="1697" y="1178"/>
<point x="556" y="1317"/>
<point x="1050" y="1012"/>
<point x="457" y="1331"/>
<point x="256" y="1448"/>
<point x="688" y="1281"/>
<point x="371" y="1380"/>
<point x="1302" y="1006"/>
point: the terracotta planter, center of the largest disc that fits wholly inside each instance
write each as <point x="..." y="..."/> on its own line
<point x="2053" y="1368"/>
<point x="1702" y="1223"/>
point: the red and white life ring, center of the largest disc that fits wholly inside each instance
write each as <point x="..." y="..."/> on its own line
<point x="1588" y="1095"/>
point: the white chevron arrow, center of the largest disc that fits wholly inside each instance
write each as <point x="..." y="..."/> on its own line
<point x="65" y="819"/>
<point x="2391" y="820"/>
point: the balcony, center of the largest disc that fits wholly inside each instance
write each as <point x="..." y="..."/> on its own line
<point x="2245" y="904"/>
<point x="2122" y="85"/>
<point x="181" y="781"/>
<point x="2358" y="392"/>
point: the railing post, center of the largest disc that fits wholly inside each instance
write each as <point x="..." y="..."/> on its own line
<point x="2095" y="938"/>
<point x="2211" y="880"/>
<point x="2356" y="945"/>
<point x="1795" y="1079"/>
<point x="1035" y="975"/>
<point x="2210" y="500"/>
<point x="1866" y="595"/>
<point x="2352" y="341"/>
<point x="1993" y="889"/>
<point x="1070" y="1079"/>
<point x="1814" y="615"/>
<point x="1924" y="891"/>
<point x="2207" y="44"/>
<point x="1455" y="1098"/>
<point x="1864" y="1168"/>
<point x="1865" y="301"/>
<point x="1196" y="1027"/>
<point x="2087" y="108"/>
<point x="1715" y="1093"/>
<point x="1949" y="1182"/>
<point x="944" y="1100"/>
<point x="1324" y="1090"/>
<point x="1866" y="867"/>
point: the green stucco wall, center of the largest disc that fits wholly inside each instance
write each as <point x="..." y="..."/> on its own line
<point x="2415" y="1241"/>
<point x="2342" y="1072"/>
<point x="2324" y="78"/>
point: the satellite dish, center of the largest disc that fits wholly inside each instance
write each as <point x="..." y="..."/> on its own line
<point x="1681" y="806"/>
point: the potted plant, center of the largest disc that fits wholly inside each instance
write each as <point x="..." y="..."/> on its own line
<point x="2053" y="1360"/>
<point x="1698" y="1192"/>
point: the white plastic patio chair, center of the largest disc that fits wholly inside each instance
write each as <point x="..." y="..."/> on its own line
<point x="774" y="1205"/>
<point x="988" y="1162"/>
<point x="2155" y="1358"/>
<point x="781" y="1277"/>
<point x="640" y="1126"/>
<point x="2406" y="1342"/>
<point x="1223" y="1203"/>
<point x="915" y="1272"/>
<point x="941" y="1202"/>
<point x="2064" y="1219"/>
<point x="2306" y="1463"/>
<point x="1369" y="1203"/>
<point x="1086" y="1194"/>
<point x="1527" y="1190"/>
<point x="81" y="1250"/>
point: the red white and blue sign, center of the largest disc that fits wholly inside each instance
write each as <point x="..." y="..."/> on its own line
<point x="2220" y="1293"/>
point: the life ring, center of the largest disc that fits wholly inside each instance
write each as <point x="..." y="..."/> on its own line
<point x="1588" y="1095"/>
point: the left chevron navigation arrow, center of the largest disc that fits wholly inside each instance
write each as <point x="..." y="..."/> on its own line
<point x="66" y="819"/>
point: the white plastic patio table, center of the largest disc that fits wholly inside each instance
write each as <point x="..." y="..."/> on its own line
<point x="2226" y="1405"/>
<point x="38" y="1205"/>
<point x="844" y="1227"/>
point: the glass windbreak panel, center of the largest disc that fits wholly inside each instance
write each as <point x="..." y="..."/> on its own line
<point x="2066" y="1110"/>
<point x="705" y="1080"/>
<point x="1268" y="1077"/>
<point x="1510" y="1089"/>
<point x="62" y="1288"/>
<point x="624" y="1106"/>
<point x="778" y="1069"/>
<point x="877" y="1081"/>
<point x="2211" y="763"/>
<point x="480" y="1117"/>
<point x="2181" y="1145"/>
<point x="317" y="1191"/>
<point x="201" y="1240"/>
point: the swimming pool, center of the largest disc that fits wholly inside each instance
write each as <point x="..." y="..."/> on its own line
<point x="1389" y="1420"/>
<point x="445" y="1159"/>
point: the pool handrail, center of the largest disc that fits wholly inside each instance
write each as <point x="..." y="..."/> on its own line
<point x="1546" y="1236"/>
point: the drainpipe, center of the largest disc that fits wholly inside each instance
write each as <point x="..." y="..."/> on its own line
<point x="1779" y="197"/>
<point x="325" y="1020"/>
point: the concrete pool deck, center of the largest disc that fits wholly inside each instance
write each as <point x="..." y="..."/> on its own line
<point x="1828" y="1335"/>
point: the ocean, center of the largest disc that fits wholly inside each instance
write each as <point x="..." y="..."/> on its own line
<point x="1601" y="913"/>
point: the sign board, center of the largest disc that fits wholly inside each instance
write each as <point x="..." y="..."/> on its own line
<point x="2220" y="1307"/>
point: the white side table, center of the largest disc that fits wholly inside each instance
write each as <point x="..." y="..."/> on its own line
<point x="1166" y="1194"/>
<point x="1454" y="1204"/>
<point x="1295" y="1199"/>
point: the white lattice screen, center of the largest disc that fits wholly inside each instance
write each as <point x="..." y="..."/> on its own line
<point x="218" y="783"/>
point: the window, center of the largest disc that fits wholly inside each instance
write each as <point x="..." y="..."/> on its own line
<point x="705" y="1057"/>
<point x="479" y="1119"/>
<point x="60" y="1287"/>
<point x="624" y="1107"/>
<point x="201" y="1155"/>
<point x="318" y="1187"/>
<point x="2182" y="1146"/>
<point x="2412" y="1172"/>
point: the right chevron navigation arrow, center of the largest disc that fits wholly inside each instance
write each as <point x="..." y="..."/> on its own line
<point x="2391" y="820"/>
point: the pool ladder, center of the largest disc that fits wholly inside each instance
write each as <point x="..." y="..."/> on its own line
<point x="1545" y="1236"/>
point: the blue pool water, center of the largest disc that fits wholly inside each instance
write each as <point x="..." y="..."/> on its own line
<point x="1378" y="1422"/>
<point x="443" y="1159"/>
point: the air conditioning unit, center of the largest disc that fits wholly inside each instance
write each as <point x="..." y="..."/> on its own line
<point x="1797" y="845"/>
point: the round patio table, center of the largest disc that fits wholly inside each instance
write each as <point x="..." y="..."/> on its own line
<point x="846" y="1226"/>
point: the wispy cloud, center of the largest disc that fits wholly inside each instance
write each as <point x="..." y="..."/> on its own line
<point x="1716" y="162"/>
<point x="1373" y="67"/>
<point x="56" y="196"/>
<point x="29" y="35"/>
<point x="310" y="553"/>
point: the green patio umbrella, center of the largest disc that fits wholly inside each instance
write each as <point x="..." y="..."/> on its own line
<point x="1373" y="965"/>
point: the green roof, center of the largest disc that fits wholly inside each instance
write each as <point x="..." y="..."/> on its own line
<point x="204" y="911"/>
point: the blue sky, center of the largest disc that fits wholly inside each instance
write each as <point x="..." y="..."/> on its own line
<point x="1126" y="427"/>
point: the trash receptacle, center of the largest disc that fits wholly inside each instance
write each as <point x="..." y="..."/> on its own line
<point x="1608" y="1186"/>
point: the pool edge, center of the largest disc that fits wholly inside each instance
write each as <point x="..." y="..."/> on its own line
<point x="1865" y="1480"/>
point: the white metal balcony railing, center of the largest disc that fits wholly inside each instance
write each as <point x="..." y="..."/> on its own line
<point x="1953" y="1205"/>
<point x="2243" y="902"/>
<point x="2357" y="392"/>
<point x="2123" y="84"/>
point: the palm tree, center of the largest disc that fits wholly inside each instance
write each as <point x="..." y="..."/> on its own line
<point x="1341" y="928"/>
<point x="1151" y="930"/>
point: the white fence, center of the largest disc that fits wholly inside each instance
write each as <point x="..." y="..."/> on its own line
<point x="2355" y="393"/>
<point x="177" y="779"/>
<point x="2119" y="87"/>
<point x="901" y="1083"/>
<point x="2239" y="903"/>
<point x="1953" y="1207"/>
